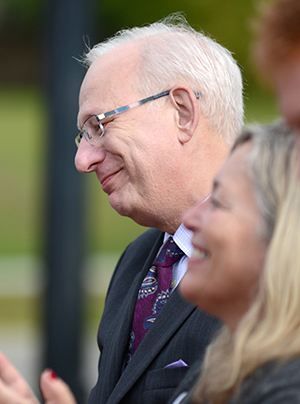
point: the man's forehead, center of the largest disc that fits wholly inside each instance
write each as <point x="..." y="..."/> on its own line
<point x="107" y="85"/>
<point x="112" y="72"/>
<point x="93" y="81"/>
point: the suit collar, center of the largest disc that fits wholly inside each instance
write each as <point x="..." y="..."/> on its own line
<point x="121" y="320"/>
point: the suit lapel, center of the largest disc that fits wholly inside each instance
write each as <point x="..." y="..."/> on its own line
<point x="174" y="313"/>
<point x="120" y="324"/>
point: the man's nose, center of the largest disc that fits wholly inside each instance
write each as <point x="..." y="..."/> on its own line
<point x="88" y="157"/>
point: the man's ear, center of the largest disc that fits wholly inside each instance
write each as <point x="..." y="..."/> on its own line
<point x="187" y="106"/>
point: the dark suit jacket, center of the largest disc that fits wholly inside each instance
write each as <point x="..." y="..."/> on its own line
<point x="180" y="332"/>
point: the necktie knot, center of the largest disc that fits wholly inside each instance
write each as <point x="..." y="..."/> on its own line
<point x="169" y="254"/>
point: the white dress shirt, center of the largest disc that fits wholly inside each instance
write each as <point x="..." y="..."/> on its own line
<point x="182" y="238"/>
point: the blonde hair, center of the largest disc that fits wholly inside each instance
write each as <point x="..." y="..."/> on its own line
<point x="270" y="330"/>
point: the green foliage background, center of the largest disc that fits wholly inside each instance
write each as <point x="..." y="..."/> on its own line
<point x="23" y="108"/>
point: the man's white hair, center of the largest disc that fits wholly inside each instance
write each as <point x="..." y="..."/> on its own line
<point x="172" y="52"/>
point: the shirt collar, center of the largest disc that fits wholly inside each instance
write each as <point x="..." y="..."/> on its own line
<point x="182" y="238"/>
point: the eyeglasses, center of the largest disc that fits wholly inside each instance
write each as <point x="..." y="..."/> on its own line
<point x="92" y="128"/>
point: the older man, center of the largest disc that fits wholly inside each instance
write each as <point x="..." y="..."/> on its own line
<point x="155" y="161"/>
<point x="278" y="55"/>
<point x="158" y="110"/>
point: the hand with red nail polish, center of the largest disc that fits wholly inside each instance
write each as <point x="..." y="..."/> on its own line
<point x="14" y="389"/>
<point x="53" y="375"/>
<point x="54" y="389"/>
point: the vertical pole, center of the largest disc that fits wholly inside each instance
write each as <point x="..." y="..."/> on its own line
<point x="66" y="28"/>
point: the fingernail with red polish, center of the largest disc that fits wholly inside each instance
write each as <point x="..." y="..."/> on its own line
<point x="53" y="375"/>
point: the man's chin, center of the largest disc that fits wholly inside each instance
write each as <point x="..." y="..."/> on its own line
<point x="120" y="206"/>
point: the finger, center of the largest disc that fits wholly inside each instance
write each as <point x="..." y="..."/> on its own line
<point x="10" y="377"/>
<point x="55" y="390"/>
<point x="7" y="372"/>
<point x="11" y="396"/>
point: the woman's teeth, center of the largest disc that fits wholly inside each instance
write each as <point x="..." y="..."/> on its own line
<point x="199" y="253"/>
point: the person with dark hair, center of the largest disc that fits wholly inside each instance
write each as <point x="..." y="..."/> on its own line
<point x="277" y="54"/>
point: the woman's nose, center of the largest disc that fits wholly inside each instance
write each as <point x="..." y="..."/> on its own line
<point x="193" y="217"/>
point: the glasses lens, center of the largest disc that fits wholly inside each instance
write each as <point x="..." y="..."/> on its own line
<point x="93" y="129"/>
<point x="78" y="139"/>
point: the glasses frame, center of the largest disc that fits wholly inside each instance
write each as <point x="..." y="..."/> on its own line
<point x="118" y="111"/>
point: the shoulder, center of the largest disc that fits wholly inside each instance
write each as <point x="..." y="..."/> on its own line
<point x="142" y="246"/>
<point x="136" y="255"/>
<point x="145" y="240"/>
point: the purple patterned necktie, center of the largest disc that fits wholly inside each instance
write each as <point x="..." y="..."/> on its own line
<point x="154" y="292"/>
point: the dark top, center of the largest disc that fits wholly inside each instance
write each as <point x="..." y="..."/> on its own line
<point x="270" y="384"/>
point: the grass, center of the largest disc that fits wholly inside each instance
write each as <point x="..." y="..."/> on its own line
<point x="21" y="310"/>
<point x="27" y="310"/>
<point x="21" y="167"/>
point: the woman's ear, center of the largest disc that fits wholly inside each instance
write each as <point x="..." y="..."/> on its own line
<point x="187" y="106"/>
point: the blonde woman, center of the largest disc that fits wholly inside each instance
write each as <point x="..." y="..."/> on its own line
<point x="245" y="270"/>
